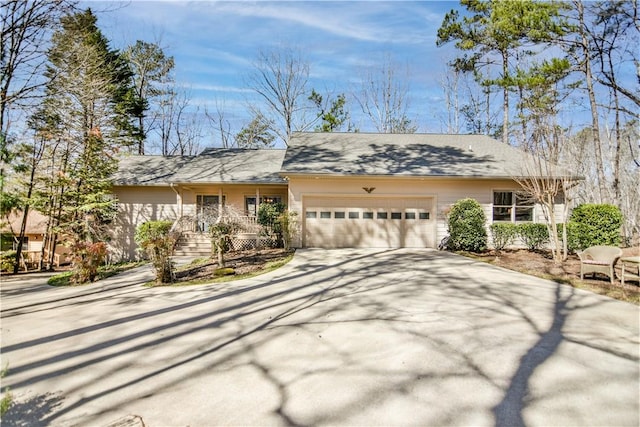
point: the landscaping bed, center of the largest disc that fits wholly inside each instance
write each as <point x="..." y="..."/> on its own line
<point x="541" y="264"/>
<point x="243" y="264"/>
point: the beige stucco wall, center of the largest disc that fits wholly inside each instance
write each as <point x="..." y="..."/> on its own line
<point x="445" y="192"/>
<point x="138" y="204"/>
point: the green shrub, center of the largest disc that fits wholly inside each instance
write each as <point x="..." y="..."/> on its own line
<point x="502" y="234"/>
<point x="224" y="271"/>
<point x="269" y="216"/>
<point x="157" y="240"/>
<point x="533" y="235"/>
<point x="594" y="224"/>
<point x="7" y="399"/>
<point x="467" y="227"/>
<point x="8" y="260"/>
<point x="288" y="222"/>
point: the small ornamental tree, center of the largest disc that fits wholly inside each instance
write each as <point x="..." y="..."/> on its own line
<point x="594" y="224"/>
<point x="467" y="226"/>
<point x="221" y="234"/>
<point x="158" y="241"/>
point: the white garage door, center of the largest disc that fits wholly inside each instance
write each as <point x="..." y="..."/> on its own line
<point x="376" y="222"/>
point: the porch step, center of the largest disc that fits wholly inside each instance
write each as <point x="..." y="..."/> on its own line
<point x="193" y="244"/>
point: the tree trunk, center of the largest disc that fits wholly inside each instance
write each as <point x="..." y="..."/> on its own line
<point x="505" y="100"/>
<point x="595" y="123"/>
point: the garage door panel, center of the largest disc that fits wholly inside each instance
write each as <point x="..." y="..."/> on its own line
<point x="368" y="222"/>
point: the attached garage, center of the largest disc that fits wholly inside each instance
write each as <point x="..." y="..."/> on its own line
<point x="392" y="190"/>
<point x="373" y="222"/>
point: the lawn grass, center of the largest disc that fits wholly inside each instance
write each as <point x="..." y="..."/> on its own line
<point x="104" y="271"/>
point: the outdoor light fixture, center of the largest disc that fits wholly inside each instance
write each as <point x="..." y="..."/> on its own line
<point x="368" y="189"/>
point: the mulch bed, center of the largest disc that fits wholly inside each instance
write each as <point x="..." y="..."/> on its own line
<point x="242" y="262"/>
<point x="540" y="263"/>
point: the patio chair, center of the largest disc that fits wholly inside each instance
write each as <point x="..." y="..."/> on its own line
<point x="599" y="259"/>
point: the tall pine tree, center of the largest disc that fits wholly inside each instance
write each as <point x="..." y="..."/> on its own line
<point x="90" y="105"/>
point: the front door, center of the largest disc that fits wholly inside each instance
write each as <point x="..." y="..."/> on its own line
<point x="207" y="210"/>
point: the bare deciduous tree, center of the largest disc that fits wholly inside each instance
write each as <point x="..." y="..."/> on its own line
<point x="383" y="97"/>
<point x="26" y="26"/>
<point x="179" y="123"/>
<point x="221" y="125"/>
<point x="280" y="79"/>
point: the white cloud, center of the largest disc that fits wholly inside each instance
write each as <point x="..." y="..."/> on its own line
<point x="354" y="20"/>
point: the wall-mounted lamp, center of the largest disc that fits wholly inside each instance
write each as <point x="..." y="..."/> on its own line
<point x="368" y="189"/>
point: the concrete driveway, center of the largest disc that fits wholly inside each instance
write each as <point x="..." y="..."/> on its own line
<point x="340" y="337"/>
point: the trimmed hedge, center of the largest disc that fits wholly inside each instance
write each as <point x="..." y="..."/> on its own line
<point x="594" y="224"/>
<point x="533" y="235"/>
<point x="502" y="234"/>
<point x="467" y="230"/>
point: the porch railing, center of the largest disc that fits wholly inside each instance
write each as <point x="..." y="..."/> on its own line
<point x="201" y="223"/>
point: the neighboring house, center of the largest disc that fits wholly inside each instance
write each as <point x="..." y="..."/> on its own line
<point x="35" y="230"/>
<point x="33" y="240"/>
<point x="349" y="189"/>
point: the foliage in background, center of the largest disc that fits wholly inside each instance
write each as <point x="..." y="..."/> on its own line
<point x="594" y="224"/>
<point x="151" y="70"/>
<point x="268" y="217"/>
<point x="332" y="114"/>
<point x="502" y="234"/>
<point x="466" y="224"/>
<point x="158" y="241"/>
<point x="8" y="260"/>
<point x="257" y="134"/>
<point x="534" y="236"/>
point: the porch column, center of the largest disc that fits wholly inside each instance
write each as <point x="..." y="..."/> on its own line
<point x="256" y="216"/>
<point x="220" y="202"/>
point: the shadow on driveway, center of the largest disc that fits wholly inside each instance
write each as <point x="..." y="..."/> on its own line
<point x="345" y="337"/>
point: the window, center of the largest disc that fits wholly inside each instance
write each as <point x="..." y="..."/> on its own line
<point x="382" y="215"/>
<point x="512" y="206"/>
<point x="270" y="199"/>
<point x="338" y="215"/>
<point x="423" y="215"/>
<point x="367" y="215"/>
<point x="354" y="215"/>
<point x="410" y="215"/>
<point x="250" y="202"/>
<point x="396" y="215"/>
<point x="312" y="214"/>
<point x="325" y="214"/>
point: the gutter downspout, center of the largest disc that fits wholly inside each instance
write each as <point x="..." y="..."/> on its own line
<point x="178" y="198"/>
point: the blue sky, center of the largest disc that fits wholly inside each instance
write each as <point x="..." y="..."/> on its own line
<point x="216" y="43"/>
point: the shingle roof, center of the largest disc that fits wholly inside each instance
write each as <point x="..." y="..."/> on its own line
<point x="211" y="166"/>
<point x="402" y="155"/>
